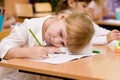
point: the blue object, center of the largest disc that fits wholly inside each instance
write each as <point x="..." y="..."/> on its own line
<point x="1" y="22"/>
<point x="117" y="15"/>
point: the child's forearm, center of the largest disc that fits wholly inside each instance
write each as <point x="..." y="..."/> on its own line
<point x="17" y="53"/>
<point x="32" y="53"/>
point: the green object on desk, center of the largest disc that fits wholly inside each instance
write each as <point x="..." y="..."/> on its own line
<point x="118" y="44"/>
<point x="96" y="51"/>
<point x="35" y="37"/>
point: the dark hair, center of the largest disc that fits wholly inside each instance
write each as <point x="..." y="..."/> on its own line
<point x="63" y="4"/>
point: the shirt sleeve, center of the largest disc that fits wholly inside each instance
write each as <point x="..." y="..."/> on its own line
<point x="92" y="5"/>
<point x="17" y="38"/>
<point x="100" y="36"/>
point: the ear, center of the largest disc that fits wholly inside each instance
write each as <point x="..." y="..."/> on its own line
<point x="62" y="16"/>
<point x="71" y="3"/>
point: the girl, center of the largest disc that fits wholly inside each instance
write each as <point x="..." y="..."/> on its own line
<point x="98" y="9"/>
<point x="53" y="32"/>
<point x="9" y="20"/>
<point x="112" y="5"/>
<point x="72" y="5"/>
<point x="102" y="36"/>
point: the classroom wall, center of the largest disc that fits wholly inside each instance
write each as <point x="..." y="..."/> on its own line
<point x="9" y="5"/>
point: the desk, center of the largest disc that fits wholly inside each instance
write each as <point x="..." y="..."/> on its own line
<point x="104" y="66"/>
<point x="109" y="25"/>
<point x="4" y="32"/>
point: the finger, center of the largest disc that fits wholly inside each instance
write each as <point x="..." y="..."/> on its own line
<point x="43" y="57"/>
<point x="115" y="30"/>
<point x="45" y="54"/>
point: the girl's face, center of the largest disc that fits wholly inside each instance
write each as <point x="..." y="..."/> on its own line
<point x="81" y="6"/>
<point x="56" y="34"/>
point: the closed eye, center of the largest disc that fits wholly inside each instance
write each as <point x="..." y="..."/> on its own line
<point x="84" y="6"/>
<point x="62" y="43"/>
<point x="61" y="34"/>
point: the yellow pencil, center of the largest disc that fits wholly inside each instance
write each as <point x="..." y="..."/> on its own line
<point x="35" y="37"/>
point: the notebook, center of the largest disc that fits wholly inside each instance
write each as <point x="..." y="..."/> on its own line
<point x="61" y="58"/>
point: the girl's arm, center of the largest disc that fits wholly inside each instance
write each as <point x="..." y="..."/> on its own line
<point x="31" y="53"/>
<point x="100" y="36"/>
<point x="103" y="36"/>
<point x="9" y="21"/>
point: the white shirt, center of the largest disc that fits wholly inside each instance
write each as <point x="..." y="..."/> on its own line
<point x="97" y="9"/>
<point x="100" y="36"/>
<point x="21" y="37"/>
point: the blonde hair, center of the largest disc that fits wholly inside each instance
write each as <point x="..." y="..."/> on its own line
<point x="79" y="31"/>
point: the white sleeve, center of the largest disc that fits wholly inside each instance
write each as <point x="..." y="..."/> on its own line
<point x="92" y="5"/>
<point x="100" y="36"/>
<point x="17" y="38"/>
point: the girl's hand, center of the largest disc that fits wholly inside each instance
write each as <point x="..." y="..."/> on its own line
<point x="42" y="52"/>
<point x="31" y="52"/>
<point x="7" y="24"/>
<point x="113" y="35"/>
<point x="37" y="53"/>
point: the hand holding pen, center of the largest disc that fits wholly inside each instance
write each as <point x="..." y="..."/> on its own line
<point x="113" y="35"/>
<point x="42" y="52"/>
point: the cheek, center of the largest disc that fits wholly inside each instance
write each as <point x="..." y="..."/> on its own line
<point x="81" y="9"/>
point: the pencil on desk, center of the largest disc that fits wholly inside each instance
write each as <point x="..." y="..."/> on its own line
<point x="96" y="51"/>
<point x="35" y="37"/>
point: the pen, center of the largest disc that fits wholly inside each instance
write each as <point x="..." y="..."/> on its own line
<point x="96" y="51"/>
<point x="35" y="37"/>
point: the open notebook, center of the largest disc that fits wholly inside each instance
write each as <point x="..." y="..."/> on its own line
<point x="62" y="58"/>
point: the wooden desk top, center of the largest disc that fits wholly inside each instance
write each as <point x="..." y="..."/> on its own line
<point x="104" y="66"/>
<point x="4" y="32"/>
<point x="107" y="23"/>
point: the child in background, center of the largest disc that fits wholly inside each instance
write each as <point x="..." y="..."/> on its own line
<point x="98" y="9"/>
<point x="9" y="20"/>
<point x="112" y="5"/>
<point x="21" y="44"/>
<point x="72" y="5"/>
<point x="102" y="36"/>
